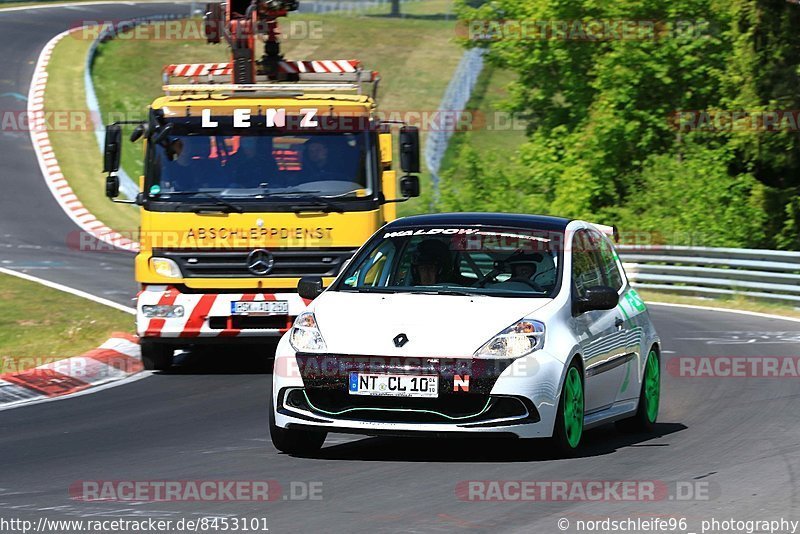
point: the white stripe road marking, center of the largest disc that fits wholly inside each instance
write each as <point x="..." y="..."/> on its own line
<point x="725" y="310"/>
<point x="71" y="291"/>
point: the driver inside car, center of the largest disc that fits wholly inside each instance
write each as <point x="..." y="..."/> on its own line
<point x="431" y="263"/>
<point x="524" y="266"/>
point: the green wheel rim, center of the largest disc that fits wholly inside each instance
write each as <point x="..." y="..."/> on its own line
<point x="652" y="387"/>
<point x="573" y="407"/>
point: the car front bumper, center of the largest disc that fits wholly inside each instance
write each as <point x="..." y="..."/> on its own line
<point x="510" y="397"/>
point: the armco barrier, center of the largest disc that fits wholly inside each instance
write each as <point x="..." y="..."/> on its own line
<point x="764" y="274"/>
<point x="455" y="98"/>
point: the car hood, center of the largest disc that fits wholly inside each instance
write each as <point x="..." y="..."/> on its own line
<point x="436" y="325"/>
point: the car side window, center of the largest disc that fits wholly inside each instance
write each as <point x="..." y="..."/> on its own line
<point x="586" y="269"/>
<point x="608" y="257"/>
<point x="376" y="269"/>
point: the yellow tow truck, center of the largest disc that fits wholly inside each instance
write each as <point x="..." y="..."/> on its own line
<point x="257" y="173"/>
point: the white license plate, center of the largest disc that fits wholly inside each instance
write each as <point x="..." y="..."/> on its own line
<point x="264" y="307"/>
<point x="379" y="385"/>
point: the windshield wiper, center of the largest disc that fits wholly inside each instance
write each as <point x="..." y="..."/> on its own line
<point x="319" y="201"/>
<point x="446" y="291"/>
<point x="369" y="290"/>
<point x="218" y="200"/>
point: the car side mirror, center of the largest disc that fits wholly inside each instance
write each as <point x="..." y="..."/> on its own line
<point x="309" y="287"/>
<point x="112" y="148"/>
<point x="112" y="186"/>
<point x="409" y="186"/>
<point x="597" y="298"/>
<point x="409" y="149"/>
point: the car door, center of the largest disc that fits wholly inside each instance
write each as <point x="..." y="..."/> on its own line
<point x="599" y="331"/>
<point x="632" y="333"/>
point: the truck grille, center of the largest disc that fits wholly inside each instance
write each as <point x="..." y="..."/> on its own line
<point x="233" y="263"/>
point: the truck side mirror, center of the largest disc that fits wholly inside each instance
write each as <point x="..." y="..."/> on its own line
<point x="309" y="287"/>
<point x="112" y="149"/>
<point x="112" y="186"/>
<point x="409" y="149"/>
<point x="409" y="186"/>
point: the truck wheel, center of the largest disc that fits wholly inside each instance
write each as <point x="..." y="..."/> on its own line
<point x="156" y="356"/>
<point x="293" y="441"/>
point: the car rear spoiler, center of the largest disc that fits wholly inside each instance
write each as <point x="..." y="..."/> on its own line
<point x="610" y="231"/>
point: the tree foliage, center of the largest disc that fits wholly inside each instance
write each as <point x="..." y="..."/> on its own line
<point x="605" y="134"/>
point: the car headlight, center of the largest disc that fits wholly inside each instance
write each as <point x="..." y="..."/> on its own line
<point x="165" y="267"/>
<point x="305" y="336"/>
<point x="515" y="341"/>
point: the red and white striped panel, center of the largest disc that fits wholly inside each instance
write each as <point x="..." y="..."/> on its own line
<point x="320" y="67"/>
<point x="327" y="66"/>
<point x="198" y="69"/>
<point x="198" y="307"/>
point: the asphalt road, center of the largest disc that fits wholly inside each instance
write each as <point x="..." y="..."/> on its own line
<point x="34" y="231"/>
<point x="733" y="439"/>
<point x="736" y="440"/>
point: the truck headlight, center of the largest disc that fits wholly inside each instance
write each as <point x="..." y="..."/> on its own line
<point x="515" y="341"/>
<point x="165" y="311"/>
<point x="305" y="336"/>
<point x="165" y="267"/>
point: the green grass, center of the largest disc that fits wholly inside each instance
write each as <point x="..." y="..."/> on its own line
<point x="76" y="148"/>
<point x="39" y="325"/>
<point x="494" y="133"/>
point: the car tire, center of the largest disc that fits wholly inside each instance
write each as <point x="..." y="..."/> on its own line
<point x="649" y="399"/>
<point x="291" y="441"/>
<point x="156" y="356"/>
<point x="568" y="430"/>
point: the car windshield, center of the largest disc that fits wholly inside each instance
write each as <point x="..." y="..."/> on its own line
<point x="469" y="261"/>
<point x="261" y="165"/>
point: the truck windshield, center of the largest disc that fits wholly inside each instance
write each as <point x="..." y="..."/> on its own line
<point x="460" y="261"/>
<point x="261" y="165"/>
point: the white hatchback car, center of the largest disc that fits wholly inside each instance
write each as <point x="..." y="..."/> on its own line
<point x="459" y="324"/>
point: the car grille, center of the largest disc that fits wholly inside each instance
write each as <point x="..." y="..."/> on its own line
<point x="233" y="263"/>
<point x="326" y="390"/>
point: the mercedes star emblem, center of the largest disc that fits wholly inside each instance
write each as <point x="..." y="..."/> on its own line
<point x="260" y="262"/>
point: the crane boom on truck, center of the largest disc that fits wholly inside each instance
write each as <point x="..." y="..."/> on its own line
<point x="260" y="175"/>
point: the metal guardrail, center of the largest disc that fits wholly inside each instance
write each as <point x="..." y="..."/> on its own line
<point x="763" y="274"/>
<point x="455" y="99"/>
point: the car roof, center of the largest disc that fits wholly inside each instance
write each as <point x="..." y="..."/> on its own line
<point x="509" y="220"/>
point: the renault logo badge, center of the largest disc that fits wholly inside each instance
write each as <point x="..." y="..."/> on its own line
<point x="400" y="340"/>
<point x="260" y="262"/>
